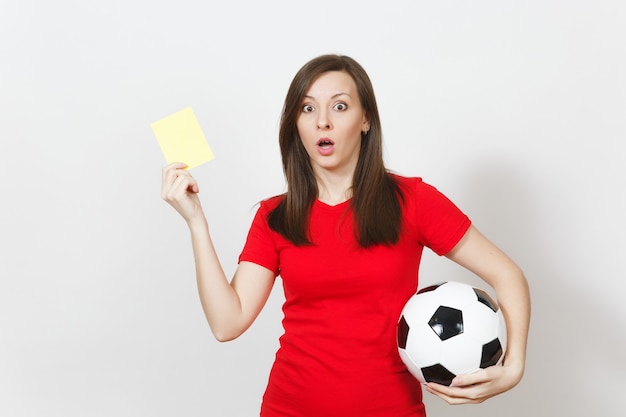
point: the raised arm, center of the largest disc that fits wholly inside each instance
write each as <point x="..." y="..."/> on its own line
<point x="230" y="307"/>
<point x="479" y="255"/>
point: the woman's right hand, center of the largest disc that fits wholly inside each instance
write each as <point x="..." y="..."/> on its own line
<point x="180" y="190"/>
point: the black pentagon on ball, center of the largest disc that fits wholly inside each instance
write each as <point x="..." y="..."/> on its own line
<point x="437" y="373"/>
<point x="403" y="333"/>
<point x="492" y="352"/>
<point x="484" y="298"/>
<point x="430" y="288"/>
<point x="447" y="322"/>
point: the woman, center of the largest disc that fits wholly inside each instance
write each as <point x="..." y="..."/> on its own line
<point x="346" y="239"/>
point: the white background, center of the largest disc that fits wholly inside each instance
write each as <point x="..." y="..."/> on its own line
<point x="514" y="109"/>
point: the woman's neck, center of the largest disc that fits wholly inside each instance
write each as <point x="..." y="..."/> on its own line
<point x="333" y="189"/>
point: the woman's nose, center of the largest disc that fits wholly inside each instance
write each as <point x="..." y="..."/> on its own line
<point x="323" y="121"/>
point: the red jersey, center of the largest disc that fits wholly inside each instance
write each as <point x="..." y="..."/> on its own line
<point x="338" y="355"/>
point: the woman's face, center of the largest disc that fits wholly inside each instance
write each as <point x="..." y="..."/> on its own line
<point x="330" y="123"/>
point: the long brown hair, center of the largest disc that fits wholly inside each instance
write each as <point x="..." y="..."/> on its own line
<point x="375" y="195"/>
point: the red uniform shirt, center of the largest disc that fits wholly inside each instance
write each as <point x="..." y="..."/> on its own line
<point x="338" y="354"/>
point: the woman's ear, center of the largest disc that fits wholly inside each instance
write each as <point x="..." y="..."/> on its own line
<point x="366" y="125"/>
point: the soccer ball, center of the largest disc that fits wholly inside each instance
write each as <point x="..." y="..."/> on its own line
<point x="450" y="329"/>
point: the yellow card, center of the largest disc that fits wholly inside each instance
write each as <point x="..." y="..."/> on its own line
<point x="181" y="139"/>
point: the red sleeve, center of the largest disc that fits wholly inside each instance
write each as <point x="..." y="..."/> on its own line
<point x="260" y="247"/>
<point x="441" y="224"/>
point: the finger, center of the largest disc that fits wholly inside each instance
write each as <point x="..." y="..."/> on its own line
<point x="172" y="189"/>
<point x="182" y="185"/>
<point x="191" y="183"/>
<point x="455" y="396"/>
<point x="169" y="171"/>
<point x="466" y="380"/>
<point x="173" y="167"/>
<point x="170" y="174"/>
<point x="178" y="165"/>
<point x="436" y="389"/>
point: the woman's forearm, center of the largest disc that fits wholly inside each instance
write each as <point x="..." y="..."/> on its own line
<point x="220" y="302"/>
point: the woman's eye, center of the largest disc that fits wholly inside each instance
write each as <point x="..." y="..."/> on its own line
<point x="307" y="108"/>
<point x="341" y="106"/>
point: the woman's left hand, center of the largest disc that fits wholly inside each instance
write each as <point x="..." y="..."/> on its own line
<point x="477" y="387"/>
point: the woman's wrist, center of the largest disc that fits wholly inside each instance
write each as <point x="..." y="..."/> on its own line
<point x="514" y="367"/>
<point x="197" y="223"/>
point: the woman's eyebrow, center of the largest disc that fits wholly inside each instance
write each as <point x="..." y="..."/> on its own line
<point x="332" y="97"/>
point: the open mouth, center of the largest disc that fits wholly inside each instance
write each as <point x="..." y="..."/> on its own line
<point x="325" y="143"/>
